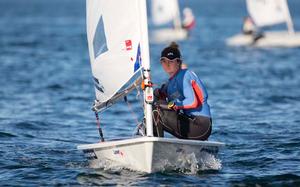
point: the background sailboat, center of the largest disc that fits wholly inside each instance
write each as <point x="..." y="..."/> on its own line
<point x="119" y="55"/>
<point x="166" y="18"/>
<point x="268" y="13"/>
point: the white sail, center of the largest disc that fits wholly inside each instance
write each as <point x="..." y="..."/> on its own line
<point x="269" y="12"/>
<point x="117" y="43"/>
<point x="165" y="11"/>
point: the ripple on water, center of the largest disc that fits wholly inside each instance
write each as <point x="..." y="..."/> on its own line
<point x="287" y="179"/>
<point x="7" y="135"/>
<point x="31" y="125"/>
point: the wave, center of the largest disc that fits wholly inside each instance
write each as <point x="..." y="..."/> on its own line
<point x="6" y="135"/>
<point x="287" y="179"/>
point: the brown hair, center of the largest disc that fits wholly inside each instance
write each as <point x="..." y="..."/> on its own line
<point x="174" y="45"/>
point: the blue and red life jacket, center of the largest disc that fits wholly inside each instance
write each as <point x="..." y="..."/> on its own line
<point x="188" y="93"/>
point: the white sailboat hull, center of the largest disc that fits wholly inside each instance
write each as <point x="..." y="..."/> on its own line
<point x="168" y="35"/>
<point x="270" y="39"/>
<point x="147" y="154"/>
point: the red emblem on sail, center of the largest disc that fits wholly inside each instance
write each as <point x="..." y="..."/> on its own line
<point x="128" y="44"/>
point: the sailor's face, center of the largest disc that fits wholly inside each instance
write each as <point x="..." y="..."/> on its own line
<point x="170" y="66"/>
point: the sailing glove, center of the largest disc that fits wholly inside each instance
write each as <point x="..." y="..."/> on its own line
<point x="171" y="105"/>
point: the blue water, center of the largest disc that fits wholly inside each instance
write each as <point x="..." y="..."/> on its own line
<point x="47" y="90"/>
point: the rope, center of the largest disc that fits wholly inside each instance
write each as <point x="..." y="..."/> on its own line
<point x="139" y="97"/>
<point x="131" y="110"/>
<point x="158" y="120"/>
<point x="99" y="128"/>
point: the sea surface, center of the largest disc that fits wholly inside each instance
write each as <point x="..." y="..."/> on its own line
<point x="46" y="92"/>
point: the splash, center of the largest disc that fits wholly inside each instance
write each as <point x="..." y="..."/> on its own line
<point x="106" y="165"/>
<point x="191" y="163"/>
<point x="209" y="162"/>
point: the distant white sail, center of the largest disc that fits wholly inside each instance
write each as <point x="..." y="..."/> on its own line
<point x="117" y="45"/>
<point x="269" y="12"/>
<point x="165" y="11"/>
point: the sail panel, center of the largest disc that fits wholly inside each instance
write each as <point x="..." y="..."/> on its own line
<point x="268" y="12"/>
<point x="99" y="41"/>
<point x="164" y="11"/>
<point x="114" y="39"/>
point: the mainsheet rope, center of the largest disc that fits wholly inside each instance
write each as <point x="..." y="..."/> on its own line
<point x="99" y="127"/>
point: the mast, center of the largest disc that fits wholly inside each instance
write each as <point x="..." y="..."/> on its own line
<point x="177" y="20"/>
<point x="290" y="25"/>
<point x="289" y="22"/>
<point x="148" y="91"/>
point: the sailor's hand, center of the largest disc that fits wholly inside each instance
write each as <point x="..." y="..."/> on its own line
<point x="171" y="105"/>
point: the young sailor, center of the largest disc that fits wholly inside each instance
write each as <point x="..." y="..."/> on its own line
<point x="188" y="19"/>
<point x="249" y="28"/>
<point x="187" y="114"/>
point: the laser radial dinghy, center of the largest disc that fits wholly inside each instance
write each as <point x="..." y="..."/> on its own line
<point x="119" y="55"/>
<point x="164" y="12"/>
<point x="268" y="13"/>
